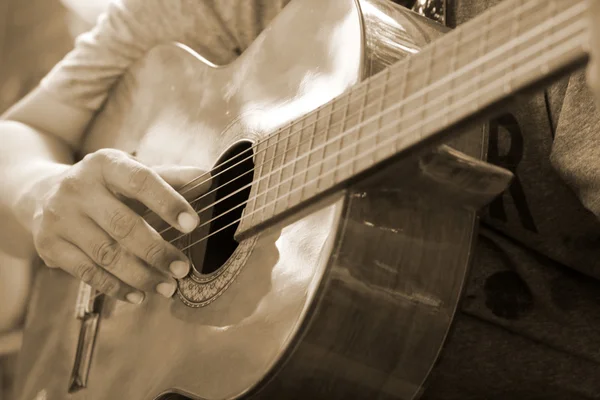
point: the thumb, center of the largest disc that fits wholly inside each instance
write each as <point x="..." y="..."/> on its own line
<point x="190" y="179"/>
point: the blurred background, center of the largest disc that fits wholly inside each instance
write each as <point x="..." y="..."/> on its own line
<point x="34" y="35"/>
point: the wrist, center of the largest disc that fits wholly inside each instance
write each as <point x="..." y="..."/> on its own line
<point x="40" y="178"/>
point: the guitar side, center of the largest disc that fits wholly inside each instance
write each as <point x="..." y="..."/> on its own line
<point x="354" y="300"/>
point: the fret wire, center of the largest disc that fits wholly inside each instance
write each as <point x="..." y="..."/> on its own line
<point x="403" y="89"/>
<point x="380" y="110"/>
<point x="431" y="51"/>
<point x="327" y="125"/>
<point x="481" y="52"/>
<point x="577" y="39"/>
<point x="295" y="157"/>
<point x="551" y="11"/>
<point x="361" y="116"/>
<point x="310" y="145"/>
<point x="453" y="61"/>
<point x="259" y="175"/>
<point x="269" y="176"/>
<point x="342" y="128"/>
<point x="513" y="35"/>
<point x="287" y="143"/>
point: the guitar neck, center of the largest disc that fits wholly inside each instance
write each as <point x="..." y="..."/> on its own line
<point x="513" y="47"/>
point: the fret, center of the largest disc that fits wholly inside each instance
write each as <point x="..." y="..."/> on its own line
<point x="274" y="170"/>
<point x="385" y="100"/>
<point x="295" y="162"/>
<point x="260" y="157"/>
<point x="361" y="118"/>
<point x="475" y="106"/>
<point x="333" y="133"/>
<point x="424" y="108"/>
<point x="265" y="183"/>
<point x="404" y="83"/>
<point x="284" y="163"/>
<point x="357" y="103"/>
<point x="403" y="95"/>
<point x="532" y="17"/>
<point x="415" y="84"/>
<point x="310" y="146"/>
<point x="452" y="70"/>
<point x="469" y="51"/>
<point x="341" y="139"/>
<point x="565" y="43"/>
<point x="380" y="111"/>
<point x="326" y="138"/>
<point x="279" y="158"/>
<point x="545" y="68"/>
<point x="514" y="31"/>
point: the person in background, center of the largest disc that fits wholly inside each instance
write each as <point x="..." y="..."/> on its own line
<point x="528" y="326"/>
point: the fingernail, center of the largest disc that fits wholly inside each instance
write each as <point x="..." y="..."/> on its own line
<point x="135" y="297"/>
<point x="179" y="268"/>
<point x="187" y="222"/>
<point x="167" y="289"/>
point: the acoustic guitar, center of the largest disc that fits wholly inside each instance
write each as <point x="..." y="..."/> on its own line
<point x="348" y="168"/>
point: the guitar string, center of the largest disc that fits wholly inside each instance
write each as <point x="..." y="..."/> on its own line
<point x="310" y="138"/>
<point x="576" y="40"/>
<point x="465" y="100"/>
<point x="325" y="144"/>
<point x="380" y="115"/>
<point x="499" y="66"/>
<point x="348" y="94"/>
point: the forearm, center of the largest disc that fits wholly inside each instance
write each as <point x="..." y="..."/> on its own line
<point x="27" y="159"/>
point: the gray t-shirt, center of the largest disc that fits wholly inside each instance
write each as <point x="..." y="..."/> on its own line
<point x="529" y="324"/>
<point x="218" y="29"/>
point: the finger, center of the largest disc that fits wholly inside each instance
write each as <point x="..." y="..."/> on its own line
<point x="73" y="261"/>
<point x="190" y="182"/>
<point x="108" y="254"/>
<point x="134" y="234"/>
<point x="184" y="177"/>
<point x="127" y="177"/>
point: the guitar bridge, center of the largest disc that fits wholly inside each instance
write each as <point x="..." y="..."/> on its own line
<point x="87" y="309"/>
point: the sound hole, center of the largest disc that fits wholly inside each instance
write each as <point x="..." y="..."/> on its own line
<point x="231" y="188"/>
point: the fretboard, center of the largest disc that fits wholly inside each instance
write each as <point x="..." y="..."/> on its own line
<point x="459" y="78"/>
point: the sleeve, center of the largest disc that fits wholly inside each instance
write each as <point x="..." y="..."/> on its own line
<point x="576" y="149"/>
<point x="218" y="29"/>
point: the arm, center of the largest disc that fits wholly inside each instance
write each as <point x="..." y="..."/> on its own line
<point x="38" y="136"/>
<point x="44" y="196"/>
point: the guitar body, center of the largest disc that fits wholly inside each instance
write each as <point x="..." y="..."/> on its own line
<point x="352" y="299"/>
